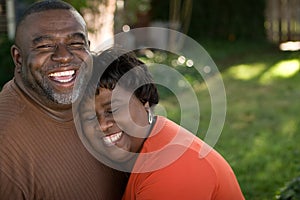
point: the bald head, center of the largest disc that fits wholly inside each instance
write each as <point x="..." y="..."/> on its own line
<point x="42" y="6"/>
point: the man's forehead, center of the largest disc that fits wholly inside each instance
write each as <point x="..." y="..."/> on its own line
<point x="52" y="22"/>
<point x="54" y="16"/>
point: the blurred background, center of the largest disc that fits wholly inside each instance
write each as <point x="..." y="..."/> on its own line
<point x="255" y="45"/>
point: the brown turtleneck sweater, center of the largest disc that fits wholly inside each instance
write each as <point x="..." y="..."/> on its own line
<point x="42" y="157"/>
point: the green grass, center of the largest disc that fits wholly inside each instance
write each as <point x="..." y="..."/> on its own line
<point x="261" y="132"/>
<point x="261" y="137"/>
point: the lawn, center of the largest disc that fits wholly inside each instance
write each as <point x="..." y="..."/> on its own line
<point x="260" y="135"/>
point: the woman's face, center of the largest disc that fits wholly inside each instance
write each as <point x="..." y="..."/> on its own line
<point x="122" y="123"/>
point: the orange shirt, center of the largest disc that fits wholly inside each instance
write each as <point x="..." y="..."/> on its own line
<point x="175" y="164"/>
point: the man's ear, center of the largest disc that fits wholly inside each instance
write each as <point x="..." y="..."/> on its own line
<point x="17" y="57"/>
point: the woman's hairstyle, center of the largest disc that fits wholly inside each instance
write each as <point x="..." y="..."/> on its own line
<point x="115" y="66"/>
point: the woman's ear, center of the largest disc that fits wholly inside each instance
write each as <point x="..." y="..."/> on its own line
<point x="147" y="107"/>
<point x="17" y="57"/>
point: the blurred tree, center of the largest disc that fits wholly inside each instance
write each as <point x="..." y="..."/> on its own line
<point x="99" y="16"/>
<point x="6" y="63"/>
<point x="107" y="17"/>
<point x="216" y="19"/>
<point x="180" y="14"/>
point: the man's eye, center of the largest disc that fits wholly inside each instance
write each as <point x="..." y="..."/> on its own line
<point x="46" y="46"/>
<point x="77" y="44"/>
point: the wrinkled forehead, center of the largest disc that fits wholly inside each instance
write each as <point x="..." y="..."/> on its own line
<point x="55" y="16"/>
<point x="54" y="20"/>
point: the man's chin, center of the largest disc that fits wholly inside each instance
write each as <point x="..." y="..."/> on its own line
<point x="65" y="99"/>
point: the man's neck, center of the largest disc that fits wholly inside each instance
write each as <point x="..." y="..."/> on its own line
<point x="57" y="111"/>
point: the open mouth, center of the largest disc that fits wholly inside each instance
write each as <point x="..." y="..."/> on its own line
<point x="112" y="139"/>
<point x="63" y="76"/>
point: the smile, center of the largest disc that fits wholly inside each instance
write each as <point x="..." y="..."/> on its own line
<point x="112" y="139"/>
<point x="63" y="77"/>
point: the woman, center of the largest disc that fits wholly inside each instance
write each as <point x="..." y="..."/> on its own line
<point x="120" y="128"/>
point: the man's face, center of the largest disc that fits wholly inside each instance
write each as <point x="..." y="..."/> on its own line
<point x="51" y="48"/>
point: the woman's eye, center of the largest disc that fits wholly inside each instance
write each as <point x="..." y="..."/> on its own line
<point x="111" y="112"/>
<point x="90" y="117"/>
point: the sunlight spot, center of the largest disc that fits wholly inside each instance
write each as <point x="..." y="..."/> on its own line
<point x="290" y="128"/>
<point x="126" y="28"/>
<point x="149" y="53"/>
<point x="181" y="84"/>
<point x="174" y="63"/>
<point x="207" y="69"/>
<point x="246" y="72"/>
<point x="120" y="4"/>
<point x="189" y="63"/>
<point x="283" y="69"/>
<point x="181" y="60"/>
<point x="290" y="46"/>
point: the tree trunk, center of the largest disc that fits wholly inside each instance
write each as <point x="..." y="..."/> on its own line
<point x="100" y="20"/>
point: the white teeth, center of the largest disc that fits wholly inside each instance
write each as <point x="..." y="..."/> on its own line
<point x="64" y="73"/>
<point x="112" y="139"/>
<point x="66" y="80"/>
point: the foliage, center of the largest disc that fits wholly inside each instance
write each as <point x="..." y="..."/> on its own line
<point x="291" y="191"/>
<point x="136" y="6"/>
<point x="220" y="19"/>
<point x="6" y="66"/>
<point x="78" y="4"/>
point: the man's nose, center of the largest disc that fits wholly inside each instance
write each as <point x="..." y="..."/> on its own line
<point x="62" y="54"/>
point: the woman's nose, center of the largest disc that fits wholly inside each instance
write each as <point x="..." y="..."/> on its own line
<point x="105" y="124"/>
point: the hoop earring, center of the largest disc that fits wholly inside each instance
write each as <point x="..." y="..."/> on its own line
<point x="150" y="117"/>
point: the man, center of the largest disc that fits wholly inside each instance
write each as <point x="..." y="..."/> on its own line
<point x="41" y="156"/>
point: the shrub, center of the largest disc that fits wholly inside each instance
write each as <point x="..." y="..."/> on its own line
<point x="6" y="62"/>
<point x="291" y="191"/>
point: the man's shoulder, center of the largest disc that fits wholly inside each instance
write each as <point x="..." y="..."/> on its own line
<point x="11" y="106"/>
<point x="9" y="94"/>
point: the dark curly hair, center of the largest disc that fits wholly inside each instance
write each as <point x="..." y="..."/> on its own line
<point x="114" y="66"/>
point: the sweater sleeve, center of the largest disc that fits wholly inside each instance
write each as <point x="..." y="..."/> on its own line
<point x="9" y="190"/>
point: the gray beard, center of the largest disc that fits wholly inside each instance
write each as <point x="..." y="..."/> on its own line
<point x="65" y="98"/>
<point x="62" y="98"/>
<point x="43" y="89"/>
